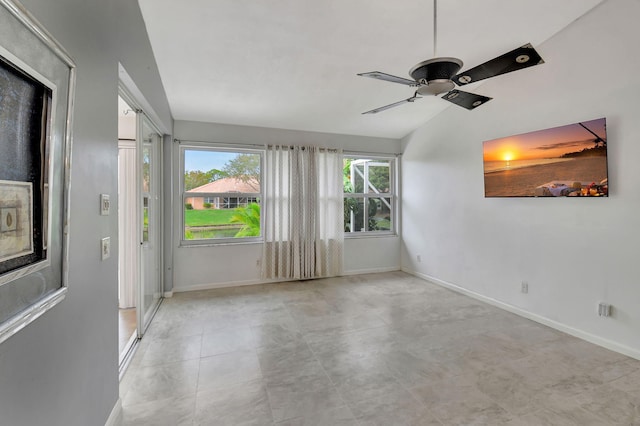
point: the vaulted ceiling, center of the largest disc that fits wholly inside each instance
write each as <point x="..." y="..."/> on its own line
<point x="293" y="64"/>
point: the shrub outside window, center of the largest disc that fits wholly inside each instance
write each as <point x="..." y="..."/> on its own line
<point x="221" y="195"/>
<point x="369" y="196"/>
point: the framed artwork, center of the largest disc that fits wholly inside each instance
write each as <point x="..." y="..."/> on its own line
<point x="565" y="161"/>
<point x="37" y="79"/>
<point x="16" y="220"/>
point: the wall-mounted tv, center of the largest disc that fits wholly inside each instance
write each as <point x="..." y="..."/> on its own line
<point x="566" y="161"/>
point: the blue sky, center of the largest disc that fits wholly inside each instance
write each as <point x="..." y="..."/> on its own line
<point x="206" y="160"/>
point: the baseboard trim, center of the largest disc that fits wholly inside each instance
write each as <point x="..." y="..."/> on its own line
<point x="227" y="284"/>
<point x="592" y="338"/>
<point x="168" y="294"/>
<point x="371" y="271"/>
<point x="115" y="418"/>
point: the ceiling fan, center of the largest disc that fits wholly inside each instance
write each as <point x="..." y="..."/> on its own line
<point x="438" y="75"/>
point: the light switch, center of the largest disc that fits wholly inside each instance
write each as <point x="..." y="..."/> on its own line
<point x="105" y="248"/>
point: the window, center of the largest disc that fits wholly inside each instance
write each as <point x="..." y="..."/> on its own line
<point x="369" y="195"/>
<point x="221" y="195"/>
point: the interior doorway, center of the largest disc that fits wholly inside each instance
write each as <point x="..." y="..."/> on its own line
<point x="127" y="239"/>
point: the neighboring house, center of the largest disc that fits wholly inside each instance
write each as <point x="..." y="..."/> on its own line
<point x="240" y="193"/>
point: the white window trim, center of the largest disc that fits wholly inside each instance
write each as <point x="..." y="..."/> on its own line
<point x="185" y="194"/>
<point x="393" y="184"/>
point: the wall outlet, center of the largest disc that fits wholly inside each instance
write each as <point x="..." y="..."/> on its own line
<point x="524" y="287"/>
<point x="604" y="309"/>
<point x="419" y="258"/>
<point x="105" y="248"/>
<point x="105" y="204"/>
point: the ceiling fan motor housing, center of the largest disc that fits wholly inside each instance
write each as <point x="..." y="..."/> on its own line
<point x="436" y="74"/>
<point x="435" y="69"/>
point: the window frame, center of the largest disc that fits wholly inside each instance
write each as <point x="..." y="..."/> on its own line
<point x="392" y="195"/>
<point x="221" y="195"/>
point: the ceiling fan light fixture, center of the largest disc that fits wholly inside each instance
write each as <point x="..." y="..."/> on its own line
<point x="435" y="87"/>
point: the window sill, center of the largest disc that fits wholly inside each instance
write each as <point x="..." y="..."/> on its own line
<point x="370" y="234"/>
<point x="222" y="242"/>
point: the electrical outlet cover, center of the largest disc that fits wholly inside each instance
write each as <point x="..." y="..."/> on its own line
<point x="105" y="204"/>
<point x="105" y="248"/>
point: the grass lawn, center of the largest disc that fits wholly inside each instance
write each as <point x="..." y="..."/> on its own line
<point x="383" y="224"/>
<point x="208" y="217"/>
<point x="216" y="233"/>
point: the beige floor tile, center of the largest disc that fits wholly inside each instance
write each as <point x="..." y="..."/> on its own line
<point x="375" y="349"/>
<point x="229" y="369"/>
<point x="242" y="404"/>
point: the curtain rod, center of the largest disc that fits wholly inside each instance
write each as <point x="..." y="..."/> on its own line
<point x="232" y="145"/>
<point x="226" y="145"/>
<point x="371" y="154"/>
<point x="302" y="147"/>
<point x="261" y="146"/>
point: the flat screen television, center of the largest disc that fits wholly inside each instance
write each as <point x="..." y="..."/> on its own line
<point x="566" y="161"/>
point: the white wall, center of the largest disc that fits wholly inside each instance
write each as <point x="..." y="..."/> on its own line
<point x="573" y="252"/>
<point x="223" y="265"/>
<point x="62" y="370"/>
<point x="227" y="133"/>
<point x="373" y="254"/>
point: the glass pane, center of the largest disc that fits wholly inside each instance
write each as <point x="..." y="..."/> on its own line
<point x="233" y="217"/>
<point x="379" y="214"/>
<point x="145" y="219"/>
<point x="239" y="171"/>
<point x="146" y="168"/>
<point x="362" y="175"/>
<point x="378" y="174"/>
<point x="208" y="211"/>
<point x="357" y="176"/>
<point x="354" y="217"/>
<point x="151" y="280"/>
<point x="367" y="214"/>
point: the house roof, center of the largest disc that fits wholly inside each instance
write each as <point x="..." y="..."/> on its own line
<point x="230" y="184"/>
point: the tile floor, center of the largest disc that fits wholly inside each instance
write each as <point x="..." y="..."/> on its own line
<point x="126" y="327"/>
<point x="379" y="349"/>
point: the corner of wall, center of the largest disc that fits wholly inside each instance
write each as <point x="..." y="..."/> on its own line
<point x="115" y="418"/>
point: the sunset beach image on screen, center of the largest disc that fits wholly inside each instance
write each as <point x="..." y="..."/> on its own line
<point x="566" y="161"/>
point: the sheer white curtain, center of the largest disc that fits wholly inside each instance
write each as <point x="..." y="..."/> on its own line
<point x="303" y="214"/>
<point x="127" y="238"/>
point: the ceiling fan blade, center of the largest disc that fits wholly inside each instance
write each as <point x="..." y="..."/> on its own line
<point x="388" y="77"/>
<point x="522" y="57"/>
<point x="465" y="99"/>
<point x="395" y="104"/>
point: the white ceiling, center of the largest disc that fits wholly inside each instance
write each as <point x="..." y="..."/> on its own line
<point x="292" y="64"/>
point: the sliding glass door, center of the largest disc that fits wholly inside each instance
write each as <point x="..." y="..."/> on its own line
<point x="149" y="217"/>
